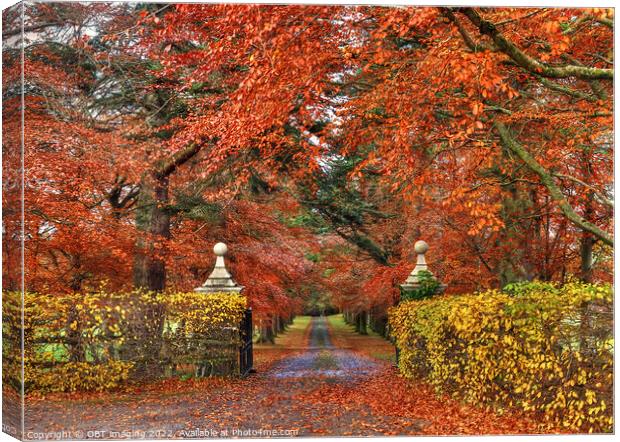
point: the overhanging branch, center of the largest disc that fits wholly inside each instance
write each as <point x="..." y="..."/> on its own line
<point x="531" y="64"/>
<point x="546" y="179"/>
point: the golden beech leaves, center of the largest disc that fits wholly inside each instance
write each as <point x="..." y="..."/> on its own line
<point x="540" y="347"/>
<point x="77" y="376"/>
<point x="94" y="341"/>
<point x="201" y="312"/>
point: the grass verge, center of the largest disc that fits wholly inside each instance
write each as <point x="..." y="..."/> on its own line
<point x="373" y="345"/>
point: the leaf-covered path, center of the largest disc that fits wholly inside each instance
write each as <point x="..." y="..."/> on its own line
<point x="319" y="379"/>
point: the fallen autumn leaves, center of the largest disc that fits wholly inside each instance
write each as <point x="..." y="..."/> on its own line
<point x="291" y="394"/>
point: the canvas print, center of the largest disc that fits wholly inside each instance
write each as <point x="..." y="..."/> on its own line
<point x="257" y="221"/>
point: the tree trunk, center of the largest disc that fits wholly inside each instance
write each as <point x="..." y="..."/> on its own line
<point x="267" y="335"/>
<point x="73" y="330"/>
<point x="282" y="325"/>
<point x="153" y="219"/>
<point x="586" y="248"/>
<point x="362" y="323"/>
<point x="266" y="332"/>
<point x="587" y="244"/>
<point x="587" y="239"/>
<point x="153" y="222"/>
<point x="348" y="317"/>
<point x="379" y="325"/>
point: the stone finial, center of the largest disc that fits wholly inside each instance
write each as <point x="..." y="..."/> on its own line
<point x="220" y="280"/>
<point x="421" y="247"/>
<point x="413" y="281"/>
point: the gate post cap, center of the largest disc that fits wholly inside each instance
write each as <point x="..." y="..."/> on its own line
<point x="220" y="249"/>
<point x="421" y="247"/>
<point x="220" y="280"/>
<point x="413" y="281"/>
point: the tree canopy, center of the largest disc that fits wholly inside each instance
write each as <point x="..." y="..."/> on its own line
<point x="318" y="142"/>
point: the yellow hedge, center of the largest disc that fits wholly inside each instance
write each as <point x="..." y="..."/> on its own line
<point x="78" y="376"/>
<point x="539" y="347"/>
<point x="98" y="340"/>
<point x="201" y="312"/>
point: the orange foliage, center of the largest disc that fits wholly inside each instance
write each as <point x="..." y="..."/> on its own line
<point x="224" y="95"/>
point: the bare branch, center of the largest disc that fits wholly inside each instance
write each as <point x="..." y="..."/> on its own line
<point x="603" y="199"/>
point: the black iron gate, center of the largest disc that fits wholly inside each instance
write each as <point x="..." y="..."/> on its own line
<point x="246" y="356"/>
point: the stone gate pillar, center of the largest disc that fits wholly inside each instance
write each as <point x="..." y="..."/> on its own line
<point x="413" y="281"/>
<point x="220" y="280"/>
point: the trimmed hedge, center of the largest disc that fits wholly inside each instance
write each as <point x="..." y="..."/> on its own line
<point x="97" y="341"/>
<point x="77" y="376"/>
<point x="538" y="347"/>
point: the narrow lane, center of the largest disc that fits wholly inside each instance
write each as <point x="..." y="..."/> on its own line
<point x="323" y="359"/>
